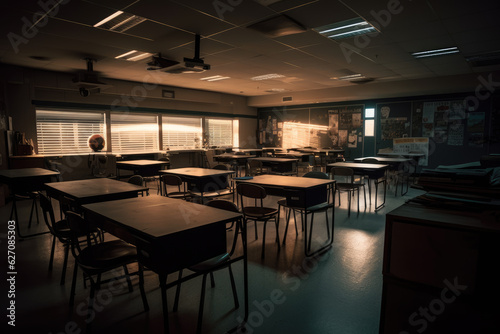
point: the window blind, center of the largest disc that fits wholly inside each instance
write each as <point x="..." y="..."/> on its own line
<point x="220" y="132"/>
<point x="134" y="133"/>
<point x="67" y="132"/>
<point x="182" y="133"/>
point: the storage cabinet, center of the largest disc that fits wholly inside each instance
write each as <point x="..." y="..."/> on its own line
<point x="440" y="272"/>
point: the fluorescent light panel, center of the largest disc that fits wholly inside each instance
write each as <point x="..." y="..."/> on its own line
<point x="344" y="29"/>
<point x="215" y="78"/>
<point x="109" y="18"/>
<point x="134" y="55"/>
<point x="436" y="52"/>
<point x="350" y="77"/>
<point x="267" y="77"/>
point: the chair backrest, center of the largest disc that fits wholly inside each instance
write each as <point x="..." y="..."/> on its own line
<point x="137" y="180"/>
<point x="317" y="175"/>
<point x="345" y="172"/>
<point x="251" y="191"/>
<point x="171" y="180"/>
<point x="79" y="227"/>
<point x="223" y="205"/>
<point x="220" y="167"/>
<point x="254" y="167"/>
<point x="48" y="212"/>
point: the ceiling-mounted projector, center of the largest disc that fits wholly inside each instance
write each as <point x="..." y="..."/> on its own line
<point x="88" y="81"/>
<point x="191" y="65"/>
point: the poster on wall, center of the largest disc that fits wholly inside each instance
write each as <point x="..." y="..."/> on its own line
<point x="333" y="127"/>
<point x="394" y="127"/>
<point x="413" y="145"/>
<point x="352" y="140"/>
<point x="475" y="128"/>
<point x="456" y="133"/>
<point x="342" y="138"/>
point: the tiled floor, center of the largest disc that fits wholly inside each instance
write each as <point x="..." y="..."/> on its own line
<point x="338" y="292"/>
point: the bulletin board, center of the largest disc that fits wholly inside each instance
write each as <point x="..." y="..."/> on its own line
<point x="411" y="145"/>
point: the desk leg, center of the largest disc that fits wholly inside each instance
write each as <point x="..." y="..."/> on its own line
<point x="163" y="286"/>
<point x="14" y="214"/>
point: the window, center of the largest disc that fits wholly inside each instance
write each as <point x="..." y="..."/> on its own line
<point x="134" y="133"/>
<point x="67" y="132"/>
<point x="181" y="133"/>
<point x="369" y="122"/>
<point x="302" y="135"/>
<point x="220" y="132"/>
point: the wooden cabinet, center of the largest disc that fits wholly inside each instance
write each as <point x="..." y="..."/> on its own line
<point x="439" y="272"/>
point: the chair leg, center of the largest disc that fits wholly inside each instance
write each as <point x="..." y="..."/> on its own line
<point x="73" y="285"/>
<point x="202" y="302"/>
<point x="212" y="279"/>
<point x="51" y="261"/>
<point x="311" y="231"/>
<point x="141" y="287"/>
<point x="127" y="277"/>
<point x="65" y="264"/>
<point x="233" y="287"/>
<point x="287" y="217"/>
<point x="177" y="292"/>
<point x="263" y="240"/>
<point x="91" y="305"/>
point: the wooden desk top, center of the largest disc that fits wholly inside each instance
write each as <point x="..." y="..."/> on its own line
<point x="321" y="150"/>
<point x="358" y="165"/>
<point x="82" y="189"/>
<point x="196" y="172"/>
<point x="12" y="174"/>
<point x="287" y="181"/>
<point x="157" y="216"/>
<point x="269" y="159"/>
<point x="142" y="162"/>
<point x="234" y="156"/>
<point x="403" y="154"/>
<point x="384" y="159"/>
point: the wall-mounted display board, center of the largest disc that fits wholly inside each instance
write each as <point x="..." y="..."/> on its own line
<point x="394" y="121"/>
<point x="345" y="125"/>
<point x="413" y="145"/>
<point x="339" y="126"/>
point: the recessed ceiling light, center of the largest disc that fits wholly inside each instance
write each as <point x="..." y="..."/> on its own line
<point x="345" y="29"/>
<point x="267" y="77"/>
<point x="436" y="52"/>
<point x="276" y="90"/>
<point x="109" y="18"/>
<point x="134" y="55"/>
<point x="215" y="78"/>
<point x="120" y="22"/>
<point x="349" y="77"/>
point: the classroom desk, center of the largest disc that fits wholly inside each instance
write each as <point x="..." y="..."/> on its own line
<point x="202" y="180"/>
<point x="25" y="180"/>
<point x="373" y="171"/>
<point x="93" y="190"/>
<point x="236" y="160"/>
<point x="282" y="166"/>
<point x="396" y="165"/>
<point x="300" y="192"/>
<point x="169" y="235"/>
<point x="302" y="156"/>
<point x="140" y="167"/>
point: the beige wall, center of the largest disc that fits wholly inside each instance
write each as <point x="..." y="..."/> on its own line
<point x="23" y="85"/>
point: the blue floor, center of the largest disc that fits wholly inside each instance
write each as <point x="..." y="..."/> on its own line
<point x="337" y="292"/>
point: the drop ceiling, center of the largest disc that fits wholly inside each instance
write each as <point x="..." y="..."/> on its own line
<point x="308" y="61"/>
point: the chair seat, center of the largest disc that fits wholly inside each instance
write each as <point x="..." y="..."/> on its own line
<point x="314" y="208"/>
<point x="348" y="186"/>
<point x="205" y="194"/>
<point x="107" y="255"/>
<point x="178" y="194"/>
<point x="210" y="264"/>
<point x="259" y="212"/>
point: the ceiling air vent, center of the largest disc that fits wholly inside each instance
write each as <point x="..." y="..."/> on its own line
<point x="485" y="59"/>
<point x="287" y="98"/>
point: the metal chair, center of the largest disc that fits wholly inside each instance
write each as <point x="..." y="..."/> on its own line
<point x="347" y="185"/>
<point x="376" y="180"/>
<point x="176" y="181"/>
<point x="208" y="267"/>
<point x="322" y="207"/>
<point x="97" y="259"/>
<point x="138" y="180"/>
<point x="257" y="211"/>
